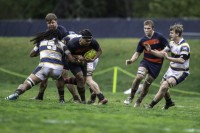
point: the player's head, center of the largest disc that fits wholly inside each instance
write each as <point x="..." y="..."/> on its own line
<point x="51" y="20"/>
<point x="177" y="28"/>
<point x="148" y="28"/>
<point x="86" y="37"/>
<point x="175" y="32"/>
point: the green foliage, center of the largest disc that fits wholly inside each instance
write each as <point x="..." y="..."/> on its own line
<point x="174" y="9"/>
<point x="37" y="9"/>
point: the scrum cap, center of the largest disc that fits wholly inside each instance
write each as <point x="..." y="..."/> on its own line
<point x="86" y="34"/>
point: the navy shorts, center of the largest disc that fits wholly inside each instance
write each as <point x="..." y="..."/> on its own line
<point x="75" y="68"/>
<point x="153" y="68"/>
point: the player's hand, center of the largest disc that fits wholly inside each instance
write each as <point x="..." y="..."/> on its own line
<point x="129" y="62"/>
<point x="89" y="60"/>
<point x="166" y="55"/>
<point x="147" y="47"/>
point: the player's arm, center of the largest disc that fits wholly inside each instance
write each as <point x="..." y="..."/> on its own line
<point x="180" y="60"/>
<point x="34" y="52"/>
<point x="72" y="59"/>
<point x="99" y="52"/>
<point x="157" y="53"/>
<point x="133" y="58"/>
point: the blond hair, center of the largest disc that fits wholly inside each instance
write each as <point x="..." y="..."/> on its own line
<point x="177" y="28"/>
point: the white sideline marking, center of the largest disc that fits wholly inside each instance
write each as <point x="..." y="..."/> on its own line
<point x="59" y="121"/>
<point x="180" y="106"/>
<point x="167" y="129"/>
<point x="192" y="130"/>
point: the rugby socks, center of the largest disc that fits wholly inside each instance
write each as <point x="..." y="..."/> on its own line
<point x="40" y="96"/>
<point x="19" y="91"/>
<point x="61" y="95"/>
<point x="100" y="96"/>
<point x="153" y="103"/>
<point x="169" y="100"/>
<point x="81" y="92"/>
<point x="70" y="80"/>
<point x="132" y="93"/>
<point x="93" y="96"/>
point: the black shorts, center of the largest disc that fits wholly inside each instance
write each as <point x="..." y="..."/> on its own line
<point x="153" y="68"/>
<point x="75" y="68"/>
<point x="65" y="64"/>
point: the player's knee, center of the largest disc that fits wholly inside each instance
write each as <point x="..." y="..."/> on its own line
<point x="164" y="86"/>
<point x="139" y="77"/>
<point x="30" y="82"/>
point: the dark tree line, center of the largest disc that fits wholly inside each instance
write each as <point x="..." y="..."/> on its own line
<point x="66" y="9"/>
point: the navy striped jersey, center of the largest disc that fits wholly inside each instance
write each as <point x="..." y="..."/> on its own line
<point x="76" y="49"/>
<point x="157" y="42"/>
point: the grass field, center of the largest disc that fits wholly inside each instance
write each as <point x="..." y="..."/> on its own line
<point x="49" y="116"/>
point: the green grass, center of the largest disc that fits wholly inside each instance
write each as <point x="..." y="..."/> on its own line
<point x="25" y="115"/>
<point x="14" y="56"/>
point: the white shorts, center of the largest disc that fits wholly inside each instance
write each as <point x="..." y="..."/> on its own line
<point x="45" y="72"/>
<point x="179" y="76"/>
<point x="91" y="66"/>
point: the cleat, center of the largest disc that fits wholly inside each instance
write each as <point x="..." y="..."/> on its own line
<point x="128" y="101"/>
<point x="37" y="98"/>
<point x="76" y="99"/>
<point x="92" y="98"/>
<point x="148" y="107"/>
<point x="168" y="105"/>
<point x="83" y="102"/>
<point x="90" y="102"/>
<point x="104" y="101"/>
<point x="61" y="101"/>
<point x="13" y="96"/>
<point x="137" y="104"/>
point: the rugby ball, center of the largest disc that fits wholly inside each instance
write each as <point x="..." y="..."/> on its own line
<point x="90" y="54"/>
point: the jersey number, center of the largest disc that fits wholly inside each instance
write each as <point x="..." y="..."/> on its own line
<point x="51" y="45"/>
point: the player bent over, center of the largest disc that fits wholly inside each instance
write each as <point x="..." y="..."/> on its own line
<point x="51" y="50"/>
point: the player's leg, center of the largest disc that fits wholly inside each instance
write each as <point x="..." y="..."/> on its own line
<point x="180" y="77"/>
<point x="148" y="80"/>
<point x="95" y="88"/>
<point x="71" y="87"/>
<point x="28" y="83"/>
<point x="81" y="85"/>
<point x="57" y="75"/>
<point x="92" y="97"/>
<point x="79" y="72"/>
<point x="42" y="88"/>
<point x="168" y="100"/>
<point x="162" y="91"/>
<point x="60" y="86"/>
<point x="142" y="71"/>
